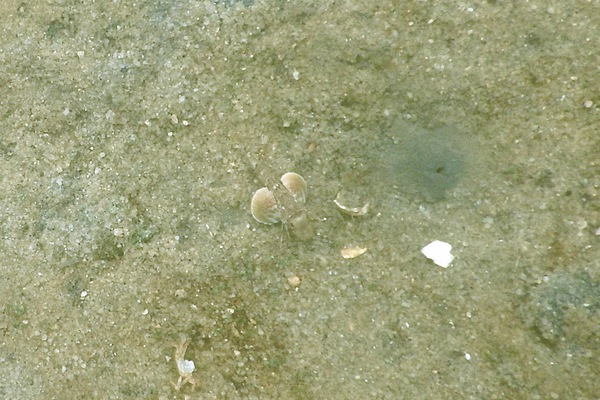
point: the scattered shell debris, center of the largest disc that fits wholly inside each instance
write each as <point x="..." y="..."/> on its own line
<point x="264" y="207"/>
<point x="354" y="211"/>
<point x="353" y="251"/>
<point x="285" y="203"/>
<point x="285" y="206"/>
<point x="439" y="253"/>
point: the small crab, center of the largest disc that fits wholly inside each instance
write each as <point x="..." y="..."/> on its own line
<point x="184" y="367"/>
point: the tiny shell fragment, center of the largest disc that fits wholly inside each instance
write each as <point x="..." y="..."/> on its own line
<point x="354" y="211"/>
<point x="352" y="252"/>
<point x="296" y="185"/>
<point x="264" y="207"/>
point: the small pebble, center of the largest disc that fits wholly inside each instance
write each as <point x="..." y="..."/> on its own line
<point x="294" y="281"/>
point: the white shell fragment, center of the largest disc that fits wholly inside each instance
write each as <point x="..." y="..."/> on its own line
<point x="354" y="211"/>
<point x="296" y="185"/>
<point x="185" y="367"/>
<point x="439" y="253"/>
<point x="353" y="251"/>
<point x="264" y="207"/>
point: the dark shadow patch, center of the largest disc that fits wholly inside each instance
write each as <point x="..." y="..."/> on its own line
<point x="426" y="163"/>
<point x="564" y="308"/>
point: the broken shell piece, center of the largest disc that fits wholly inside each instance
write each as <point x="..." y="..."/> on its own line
<point x="354" y="211"/>
<point x="264" y="207"/>
<point x="439" y="253"/>
<point x="353" y="251"/>
<point x="296" y="185"/>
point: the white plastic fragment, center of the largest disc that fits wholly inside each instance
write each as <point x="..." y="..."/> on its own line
<point x="439" y="253"/>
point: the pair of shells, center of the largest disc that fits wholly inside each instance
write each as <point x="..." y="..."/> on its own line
<point x="264" y="206"/>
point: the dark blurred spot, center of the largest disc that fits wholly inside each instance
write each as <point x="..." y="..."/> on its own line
<point x="426" y="163"/>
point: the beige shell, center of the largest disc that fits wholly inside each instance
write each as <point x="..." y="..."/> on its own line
<point x="296" y="185"/>
<point x="264" y="207"/>
<point x="353" y="251"/>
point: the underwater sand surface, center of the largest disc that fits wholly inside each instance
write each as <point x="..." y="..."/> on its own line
<point x="133" y="136"/>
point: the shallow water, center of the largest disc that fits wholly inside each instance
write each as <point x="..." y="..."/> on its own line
<point x="133" y="137"/>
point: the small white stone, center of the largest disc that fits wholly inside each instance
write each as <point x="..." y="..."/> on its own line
<point x="439" y="253"/>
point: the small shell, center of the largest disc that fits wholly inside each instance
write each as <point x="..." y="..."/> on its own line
<point x="264" y="207"/>
<point x="354" y="211"/>
<point x="296" y="185"/>
<point x="353" y="251"/>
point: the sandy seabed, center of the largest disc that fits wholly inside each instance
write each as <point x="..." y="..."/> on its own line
<point x="133" y="136"/>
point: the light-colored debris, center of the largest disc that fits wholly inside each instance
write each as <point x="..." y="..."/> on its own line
<point x="294" y="281"/>
<point x="353" y="251"/>
<point x="439" y="253"/>
<point x="354" y="211"/>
